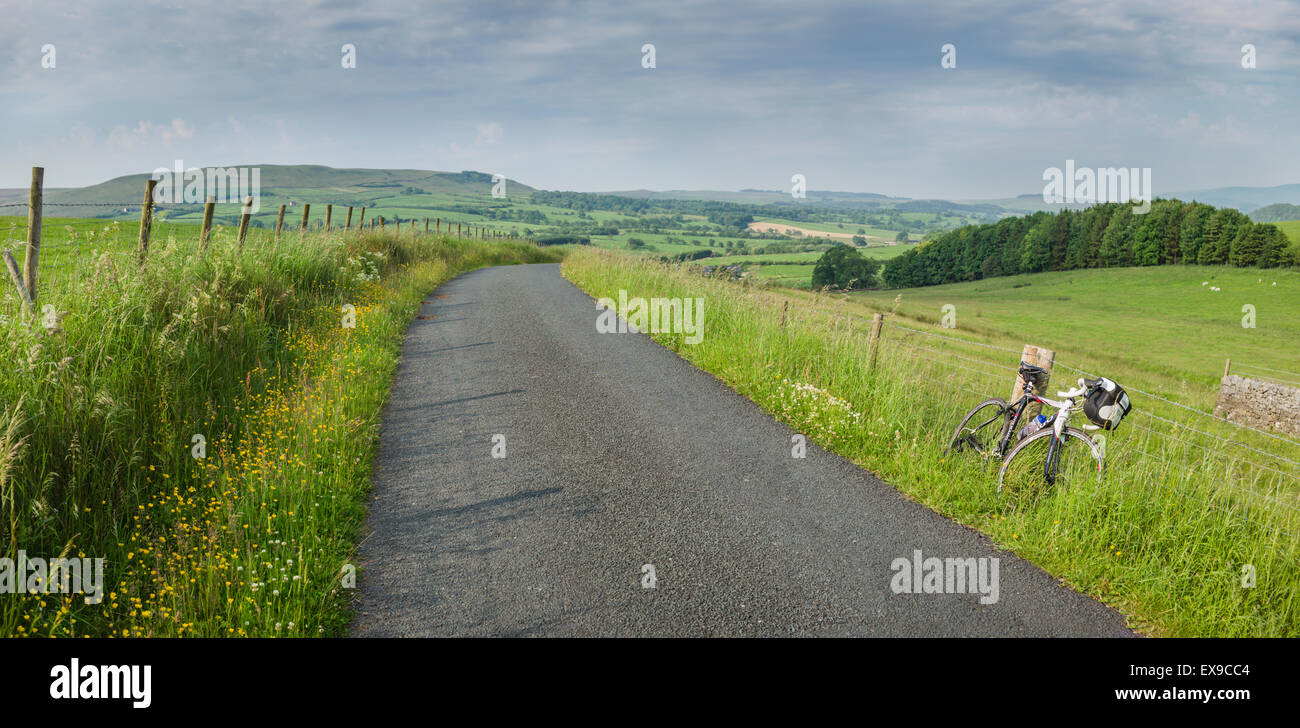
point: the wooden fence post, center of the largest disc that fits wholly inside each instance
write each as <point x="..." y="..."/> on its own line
<point x="1038" y="356"/>
<point x="873" y="343"/>
<point x="17" y="277"/>
<point x="329" y="213"/>
<point x="302" y="227"/>
<point x="457" y="230"/>
<point x="35" y="212"/>
<point x="245" y="215"/>
<point x="426" y="226"/>
<point x="437" y="226"/>
<point x="1227" y="366"/>
<point x="279" y="225"/>
<point x="208" y="208"/>
<point x="361" y="221"/>
<point x="1029" y="355"/>
<point x="349" y="223"/>
<point x="146" y="220"/>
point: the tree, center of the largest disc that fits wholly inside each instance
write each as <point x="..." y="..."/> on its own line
<point x="1219" y="233"/>
<point x="845" y="268"/>
<point x="1149" y="244"/>
<point x="1104" y="235"/>
<point x="1274" y="252"/>
<point x="1117" y="241"/>
<point x="1247" y="245"/>
<point x="1192" y="235"/>
<point x="634" y="243"/>
<point x="1037" y="251"/>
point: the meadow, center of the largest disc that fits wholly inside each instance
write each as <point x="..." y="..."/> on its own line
<point x="1292" y="229"/>
<point x="205" y="423"/>
<point x="1160" y="323"/>
<point x="1188" y="506"/>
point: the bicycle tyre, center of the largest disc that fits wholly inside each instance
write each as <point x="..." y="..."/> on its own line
<point x="1034" y="444"/>
<point x="1000" y="417"/>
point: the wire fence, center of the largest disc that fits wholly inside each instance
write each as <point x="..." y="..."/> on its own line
<point x="1243" y="471"/>
<point x="70" y="246"/>
<point x="1253" y="369"/>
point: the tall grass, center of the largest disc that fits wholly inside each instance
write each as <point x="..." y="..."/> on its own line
<point x="1163" y="537"/>
<point x="243" y="353"/>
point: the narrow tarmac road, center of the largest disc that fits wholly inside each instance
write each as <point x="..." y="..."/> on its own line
<point x="619" y="454"/>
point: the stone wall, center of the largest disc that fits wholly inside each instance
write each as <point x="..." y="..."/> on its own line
<point x="1259" y="403"/>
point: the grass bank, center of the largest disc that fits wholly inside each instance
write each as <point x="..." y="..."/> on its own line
<point x="206" y="425"/>
<point x="1165" y="536"/>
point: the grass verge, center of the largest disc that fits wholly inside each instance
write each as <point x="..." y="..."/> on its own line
<point x="1164" y="540"/>
<point x="206" y="426"/>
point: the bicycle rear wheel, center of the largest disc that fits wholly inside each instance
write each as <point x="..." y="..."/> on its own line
<point x="1027" y="472"/>
<point x="980" y="430"/>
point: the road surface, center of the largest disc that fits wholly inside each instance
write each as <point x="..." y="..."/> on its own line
<point x="619" y="454"/>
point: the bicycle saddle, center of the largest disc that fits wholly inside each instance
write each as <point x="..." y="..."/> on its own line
<point x="1029" y="371"/>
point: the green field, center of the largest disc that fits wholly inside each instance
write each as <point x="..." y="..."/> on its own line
<point x="1159" y="320"/>
<point x="832" y="227"/>
<point x="794" y="269"/>
<point x="1292" y="229"/>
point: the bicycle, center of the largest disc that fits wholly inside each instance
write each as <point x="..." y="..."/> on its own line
<point x="1030" y="460"/>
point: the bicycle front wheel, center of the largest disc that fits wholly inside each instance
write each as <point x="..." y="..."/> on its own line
<point x="980" y="430"/>
<point x="1033" y="465"/>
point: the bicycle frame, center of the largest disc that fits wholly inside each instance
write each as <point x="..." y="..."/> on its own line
<point x="1058" y="422"/>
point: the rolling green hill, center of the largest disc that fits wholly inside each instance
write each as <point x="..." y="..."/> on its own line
<point x="297" y="184"/>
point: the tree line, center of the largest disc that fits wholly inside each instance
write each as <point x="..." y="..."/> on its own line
<point x="1103" y="236"/>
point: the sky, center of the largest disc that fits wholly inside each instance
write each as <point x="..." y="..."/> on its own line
<point x="852" y="95"/>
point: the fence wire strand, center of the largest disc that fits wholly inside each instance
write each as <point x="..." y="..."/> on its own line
<point x="1202" y="413"/>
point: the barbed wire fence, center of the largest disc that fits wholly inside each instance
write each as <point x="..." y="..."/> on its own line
<point x="1242" y="471"/>
<point x="62" y="250"/>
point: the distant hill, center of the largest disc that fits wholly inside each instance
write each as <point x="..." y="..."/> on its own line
<point x="285" y="184"/>
<point x="1246" y="199"/>
<point x="1276" y="212"/>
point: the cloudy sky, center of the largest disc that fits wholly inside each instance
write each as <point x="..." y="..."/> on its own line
<point x="744" y="94"/>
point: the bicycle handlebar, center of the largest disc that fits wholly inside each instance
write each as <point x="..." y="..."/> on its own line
<point x="1079" y="391"/>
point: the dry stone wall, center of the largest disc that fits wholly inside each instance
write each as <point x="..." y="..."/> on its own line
<point x="1259" y="403"/>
